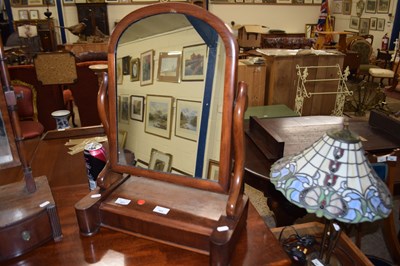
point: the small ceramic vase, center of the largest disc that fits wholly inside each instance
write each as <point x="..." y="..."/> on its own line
<point x="61" y="117"/>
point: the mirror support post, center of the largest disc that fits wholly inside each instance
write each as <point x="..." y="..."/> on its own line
<point x="11" y="102"/>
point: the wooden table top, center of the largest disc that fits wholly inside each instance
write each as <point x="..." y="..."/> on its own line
<point x="68" y="181"/>
<point x="346" y="251"/>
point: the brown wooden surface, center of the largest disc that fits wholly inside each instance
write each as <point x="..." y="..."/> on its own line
<point x="297" y="133"/>
<point x="346" y="251"/>
<point x="254" y="76"/>
<point x="68" y="181"/>
<point x="281" y="81"/>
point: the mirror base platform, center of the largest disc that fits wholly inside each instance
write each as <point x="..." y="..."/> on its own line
<point x="188" y="218"/>
<point x="28" y="220"/>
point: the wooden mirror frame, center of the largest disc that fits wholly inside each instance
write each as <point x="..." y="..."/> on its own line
<point x="231" y="51"/>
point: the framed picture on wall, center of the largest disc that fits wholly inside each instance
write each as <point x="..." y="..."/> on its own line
<point x="364" y="26"/>
<point x="33" y="14"/>
<point x="337" y="7"/>
<point x="23" y="14"/>
<point x="126" y="60"/>
<point x="187" y="122"/>
<point x="124" y="109"/>
<point x="169" y="67"/>
<point x="346" y="10"/>
<point x="213" y="170"/>
<point x="354" y="22"/>
<point x="120" y="76"/>
<point x="370" y="7"/>
<point x="373" y="23"/>
<point x="310" y="30"/>
<point x="146" y="67"/>
<point x="135" y="69"/>
<point x="160" y="161"/>
<point x="137" y="108"/>
<point x="194" y="62"/>
<point x="383" y="6"/>
<point x="35" y="2"/>
<point x="380" y="25"/>
<point x="158" y="115"/>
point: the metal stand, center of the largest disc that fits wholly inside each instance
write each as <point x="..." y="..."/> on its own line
<point x="341" y="92"/>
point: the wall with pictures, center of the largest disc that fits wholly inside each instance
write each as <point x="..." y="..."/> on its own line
<point x="289" y="17"/>
<point x="186" y="93"/>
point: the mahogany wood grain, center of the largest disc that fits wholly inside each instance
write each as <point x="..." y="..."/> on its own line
<point x="293" y="134"/>
<point x="68" y="181"/>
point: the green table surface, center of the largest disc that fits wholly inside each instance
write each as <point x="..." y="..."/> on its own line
<point x="269" y="111"/>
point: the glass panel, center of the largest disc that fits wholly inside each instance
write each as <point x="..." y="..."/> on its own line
<point x="169" y="103"/>
<point x="5" y="151"/>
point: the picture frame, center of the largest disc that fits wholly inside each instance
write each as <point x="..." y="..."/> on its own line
<point x="123" y="109"/>
<point x="337" y="7"/>
<point x="120" y="76"/>
<point x="373" y="23"/>
<point x="310" y="30"/>
<point x="160" y="161"/>
<point x="146" y="67"/>
<point x="188" y="117"/>
<point x="370" y="6"/>
<point x="35" y="2"/>
<point x="383" y="6"/>
<point x="23" y="14"/>
<point x="213" y="170"/>
<point x="317" y="1"/>
<point x="169" y="67"/>
<point x="158" y="119"/>
<point x="354" y="22"/>
<point x="308" y="2"/>
<point x="380" y="24"/>
<point x="122" y="135"/>
<point x="126" y="61"/>
<point x="34" y="14"/>
<point x="364" y="26"/>
<point x="135" y="69"/>
<point x="137" y="108"/>
<point x="194" y="62"/>
<point x="346" y="10"/>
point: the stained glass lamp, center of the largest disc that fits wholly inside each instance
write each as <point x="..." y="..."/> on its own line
<point x="333" y="179"/>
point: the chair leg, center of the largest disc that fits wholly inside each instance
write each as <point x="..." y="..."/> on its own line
<point x="70" y="107"/>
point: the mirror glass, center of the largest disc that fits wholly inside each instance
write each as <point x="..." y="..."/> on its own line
<point x="8" y="150"/>
<point x="169" y="101"/>
<point x="5" y="150"/>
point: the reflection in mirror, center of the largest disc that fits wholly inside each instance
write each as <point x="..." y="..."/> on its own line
<point x="5" y="151"/>
<point x="169" y="103"/>
<point x="8" y="150"/>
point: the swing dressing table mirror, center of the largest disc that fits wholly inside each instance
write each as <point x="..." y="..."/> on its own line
<point x="184" y="120"/>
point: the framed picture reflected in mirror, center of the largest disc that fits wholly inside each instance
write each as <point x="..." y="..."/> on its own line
<point x="158" y="115"/>
<point x="160" y="161"/>
<point x="146" y="68"/>
<point x="169" y="66"/>
<point x="193" y="62"/>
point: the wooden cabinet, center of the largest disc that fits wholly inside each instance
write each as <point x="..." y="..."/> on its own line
<point x="46" y="32"/>
<point x="254" y="76"/>
<point x="281" y="79"/>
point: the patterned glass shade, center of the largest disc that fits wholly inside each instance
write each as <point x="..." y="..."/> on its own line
<point x="334" y="179"/>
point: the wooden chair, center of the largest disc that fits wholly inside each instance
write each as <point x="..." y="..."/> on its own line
<point x="364" y="49"/>
<point x="26" y="104"/>
<point x="387" y="61"/>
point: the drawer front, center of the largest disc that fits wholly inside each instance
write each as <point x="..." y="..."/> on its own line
<point x="23" y="236"/>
